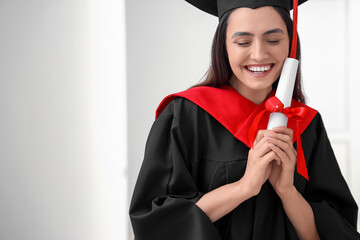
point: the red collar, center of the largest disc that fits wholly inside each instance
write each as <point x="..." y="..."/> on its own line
<point x="232" y="110"/>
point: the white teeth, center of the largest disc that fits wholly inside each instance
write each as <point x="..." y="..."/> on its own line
<point x="257" y="69"/>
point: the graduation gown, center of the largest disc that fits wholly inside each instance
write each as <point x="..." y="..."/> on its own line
<point x="198" y="143"/>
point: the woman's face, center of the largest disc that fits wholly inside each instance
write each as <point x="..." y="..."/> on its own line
<point x="257" y="45"/>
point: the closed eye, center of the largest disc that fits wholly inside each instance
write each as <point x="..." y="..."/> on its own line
<point x="274" y="42"/>
<point x="243" y="43"/>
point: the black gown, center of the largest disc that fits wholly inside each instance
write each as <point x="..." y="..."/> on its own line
<point x="189" y="153"/>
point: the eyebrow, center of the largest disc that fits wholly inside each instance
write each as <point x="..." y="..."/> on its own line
<point x="275" y="30"/>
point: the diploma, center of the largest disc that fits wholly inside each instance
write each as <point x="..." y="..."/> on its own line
<point x="284" y="92"/>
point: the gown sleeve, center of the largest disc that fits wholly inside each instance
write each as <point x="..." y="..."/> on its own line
<point x="334" y="208"/>
<point x="163" y="203"/>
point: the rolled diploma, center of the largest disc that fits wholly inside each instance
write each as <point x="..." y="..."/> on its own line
<point x="284" y="91"/>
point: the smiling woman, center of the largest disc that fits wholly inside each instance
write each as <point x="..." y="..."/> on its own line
<point x="220" y="71"/>
<point x="200" y="177"/>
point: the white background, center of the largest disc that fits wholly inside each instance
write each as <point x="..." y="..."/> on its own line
<point x="63" y="120"/>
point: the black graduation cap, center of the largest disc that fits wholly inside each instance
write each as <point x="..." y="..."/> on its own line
<point x="219" y="7"/>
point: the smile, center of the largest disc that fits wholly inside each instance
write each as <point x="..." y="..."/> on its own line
<point x="259" y="69"/>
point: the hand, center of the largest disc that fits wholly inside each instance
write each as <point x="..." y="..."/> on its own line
<point x="282" y="175"/>
<point x="258" y="168"/>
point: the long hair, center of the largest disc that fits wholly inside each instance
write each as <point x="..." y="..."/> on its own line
<point x="219" y="72"/>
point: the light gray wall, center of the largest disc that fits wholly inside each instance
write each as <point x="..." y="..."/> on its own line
<point x="43" y="127"/>
<point x="56" y="182"/>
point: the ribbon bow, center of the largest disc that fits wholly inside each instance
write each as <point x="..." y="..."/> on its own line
<point x="298" y="114"/>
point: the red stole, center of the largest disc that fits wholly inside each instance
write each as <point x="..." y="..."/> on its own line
<point x="235" y="112"/>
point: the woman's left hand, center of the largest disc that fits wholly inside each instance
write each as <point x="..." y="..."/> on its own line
<point x="282" y="175"/>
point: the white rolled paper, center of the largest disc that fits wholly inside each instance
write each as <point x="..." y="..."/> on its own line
<point x="284" y="91"/>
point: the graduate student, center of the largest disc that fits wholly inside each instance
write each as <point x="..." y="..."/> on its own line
<point x="204" y="178"/>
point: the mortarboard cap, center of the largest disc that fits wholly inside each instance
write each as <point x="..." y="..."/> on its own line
<point x="219" y="7"/>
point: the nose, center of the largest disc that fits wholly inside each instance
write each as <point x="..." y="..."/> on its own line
<point x="259" y="51"/>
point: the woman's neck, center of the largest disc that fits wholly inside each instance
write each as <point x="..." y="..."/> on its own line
<point x="256" y="96"/>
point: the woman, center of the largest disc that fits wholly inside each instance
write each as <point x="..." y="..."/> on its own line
<point x="200" y="179"/>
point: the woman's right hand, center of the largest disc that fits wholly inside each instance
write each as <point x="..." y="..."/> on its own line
<point x="222" y="200"/>
<point x="259" y="164"/>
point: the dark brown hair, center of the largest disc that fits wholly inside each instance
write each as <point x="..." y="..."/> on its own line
<point x="219" y="72"/>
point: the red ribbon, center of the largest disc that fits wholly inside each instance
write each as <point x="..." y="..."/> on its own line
<point x="298" y="114"/>
<point x="294" y="37"/>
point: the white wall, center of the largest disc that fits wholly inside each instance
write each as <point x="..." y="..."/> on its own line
<point x="353" y="88"/>
<point x="62" y="124"/>
<point x="330" y="40"/>
<point x="168" y="47"/>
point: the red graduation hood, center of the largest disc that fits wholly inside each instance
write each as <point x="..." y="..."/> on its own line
<point x="232" y="110"/>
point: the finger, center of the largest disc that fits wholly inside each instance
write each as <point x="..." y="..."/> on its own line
<point x="284" y="159"/>
<point x="278" y="142"/>
<point x="258" y="143"/>
<point x="274" y="156"/>
<point x="285" y="131"/>
<point x="287" y="165"/>
<point x="261" y="148"/>
<point x="277" y="159"/>
<point x="286" y="148"/>
<point x="283" y="156"/>
<point x="259" y="136"/>
<point x="283" y="137"/>
<point x="271" y="156"/>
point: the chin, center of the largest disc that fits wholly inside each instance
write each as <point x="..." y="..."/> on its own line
<point x="262" y="86"/>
